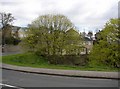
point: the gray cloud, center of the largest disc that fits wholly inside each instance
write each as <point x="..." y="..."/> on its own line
<point x="9" y="2"/>
<point x="111" y="13"/>
<point x="85" y="14"/>
<point x="119" y="9"/>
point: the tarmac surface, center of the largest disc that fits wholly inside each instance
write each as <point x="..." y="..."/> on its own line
<point x="19" y="79"/>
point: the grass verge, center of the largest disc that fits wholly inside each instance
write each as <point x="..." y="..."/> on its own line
<point x="31" y="60"/>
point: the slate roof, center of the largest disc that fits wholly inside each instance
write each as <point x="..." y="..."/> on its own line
<point x="87" y="39"/>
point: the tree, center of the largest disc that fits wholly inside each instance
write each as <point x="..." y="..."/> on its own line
<point x="73" y="40"/>
<point x="83" y="34"/>
<point x="46" y="34"/>
<point x="6" y="20"/>
<point x="105" y="51"/>
<point x="90" y="34"/>
<point x="53" y="22"/>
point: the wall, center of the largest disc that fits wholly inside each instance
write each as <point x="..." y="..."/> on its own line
<point x="12" y="49"/>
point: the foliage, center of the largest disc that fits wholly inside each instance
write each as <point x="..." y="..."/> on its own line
<point x="105" y="51"/>
<point x="11" y="40"/>
<point x="52" y="35"/>
<point x="73" y="40"/>
<point x="73" y="60"/>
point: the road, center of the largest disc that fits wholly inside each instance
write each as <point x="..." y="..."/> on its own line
<point x="22" y="79"/>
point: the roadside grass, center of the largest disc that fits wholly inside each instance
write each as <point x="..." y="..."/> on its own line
<point x="0" y="59"/>
<point x="31" y="60"/>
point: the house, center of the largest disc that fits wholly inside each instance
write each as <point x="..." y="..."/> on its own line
<point x="88" y="44"/>
<point x="14" y="31"/>
<point x="22" y="32"/>
<point x="18" y="32"/>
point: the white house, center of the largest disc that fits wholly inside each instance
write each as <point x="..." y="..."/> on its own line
<point x="22" y="32"/>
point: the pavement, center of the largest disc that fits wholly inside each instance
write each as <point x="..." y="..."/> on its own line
<point x="59" y="72"/>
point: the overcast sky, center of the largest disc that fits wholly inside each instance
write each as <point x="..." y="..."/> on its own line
<point x="85" y="14"/>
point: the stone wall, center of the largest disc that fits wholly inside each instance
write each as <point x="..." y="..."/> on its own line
<point x="11" y="48"/>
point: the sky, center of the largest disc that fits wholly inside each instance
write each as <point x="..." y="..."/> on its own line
<point x="86" y="15"/>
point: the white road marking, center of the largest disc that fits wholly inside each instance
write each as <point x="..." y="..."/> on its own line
<point x="9" y="86"/>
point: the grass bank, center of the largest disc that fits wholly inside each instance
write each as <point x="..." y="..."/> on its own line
<point x="31" y="60"/>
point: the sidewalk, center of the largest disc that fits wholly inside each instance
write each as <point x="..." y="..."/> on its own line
<point x="73" y="73"/>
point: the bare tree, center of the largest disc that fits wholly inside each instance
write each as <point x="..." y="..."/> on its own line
<point x="6" y="20"/>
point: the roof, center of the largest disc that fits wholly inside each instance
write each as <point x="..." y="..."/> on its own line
<point x="87" y="39"/>
<point x="15" y="28"/>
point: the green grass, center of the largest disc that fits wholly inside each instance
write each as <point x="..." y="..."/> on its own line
<point x="31" y="60"/>
<point x="0" y="59"/>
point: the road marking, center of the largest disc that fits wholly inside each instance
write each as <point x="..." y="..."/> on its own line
<point x="9" y="86"/>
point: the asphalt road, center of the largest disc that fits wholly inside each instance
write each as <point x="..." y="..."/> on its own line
<point x="22" y="79"/>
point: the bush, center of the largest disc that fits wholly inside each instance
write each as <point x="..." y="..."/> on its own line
<point x="105" y="54"/>
<point x="74" y="60"/>
<point x="12" y="40"/>
<point x="106" y="50"/>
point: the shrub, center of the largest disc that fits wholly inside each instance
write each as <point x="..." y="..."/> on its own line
<point x="12" y="40"/>
<point x="74" y="60"/>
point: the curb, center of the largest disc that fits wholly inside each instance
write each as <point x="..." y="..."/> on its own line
<point x="68" y="73"/>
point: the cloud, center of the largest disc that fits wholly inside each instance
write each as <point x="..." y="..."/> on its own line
<point x="85" y="14"/>
<point x="119" y="9"/>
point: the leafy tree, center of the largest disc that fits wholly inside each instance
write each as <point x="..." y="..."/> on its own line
<point x="46" y="34"/>
<point x="105" y="51"/>
<point x="73" y="40"/>
<point x="53" y="22"/>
